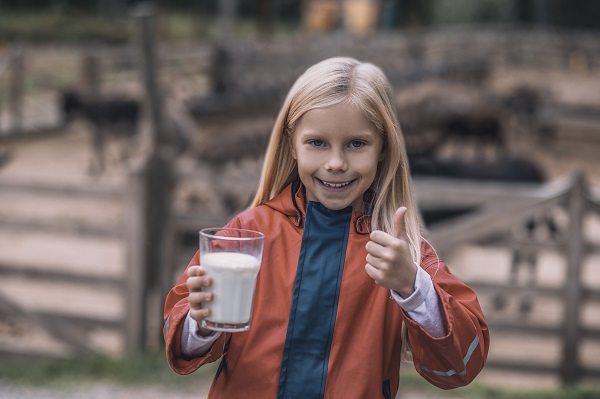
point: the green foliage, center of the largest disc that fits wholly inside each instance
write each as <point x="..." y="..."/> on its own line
<point x="145" y="368"/>
<point x="56" y="26"/>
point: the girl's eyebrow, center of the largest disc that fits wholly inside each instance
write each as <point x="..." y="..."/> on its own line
<point x="363" y="135"/>
<point x="310" y="133"/>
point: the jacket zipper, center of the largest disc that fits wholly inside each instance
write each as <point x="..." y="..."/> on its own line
<point x="387" y="390"/>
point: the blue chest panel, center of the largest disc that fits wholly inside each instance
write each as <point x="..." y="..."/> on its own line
<point x="314" y="302"/>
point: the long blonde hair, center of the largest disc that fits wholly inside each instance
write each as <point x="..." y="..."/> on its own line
<point x="346" y="80"/>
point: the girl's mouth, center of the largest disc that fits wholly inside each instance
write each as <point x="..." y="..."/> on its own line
<point x="335" y="185"/>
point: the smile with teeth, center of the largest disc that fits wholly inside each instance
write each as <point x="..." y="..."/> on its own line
<point x="335" y="185"/>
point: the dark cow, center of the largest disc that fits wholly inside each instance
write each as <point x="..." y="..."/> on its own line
<point x="481" y="129"/>
<point x="117" y="112"/>
<point x="502" y="169"/>
<point x="121" y="117"/>
<point x="118" y="117"/>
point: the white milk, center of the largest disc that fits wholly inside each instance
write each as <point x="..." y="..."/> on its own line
<point x="234" y="278"/>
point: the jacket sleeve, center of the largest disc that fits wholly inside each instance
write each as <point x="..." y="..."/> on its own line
<point x="456" y="359"/>
<point x="176" y="309"/>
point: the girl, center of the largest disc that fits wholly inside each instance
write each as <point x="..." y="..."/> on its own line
<point x="348" y="285"/>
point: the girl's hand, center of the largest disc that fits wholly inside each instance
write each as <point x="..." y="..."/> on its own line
<point x="197" y="281"/>
<point x="389" y="261"/>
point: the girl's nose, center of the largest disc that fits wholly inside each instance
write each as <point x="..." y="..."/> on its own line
<point x="336" y="162"/>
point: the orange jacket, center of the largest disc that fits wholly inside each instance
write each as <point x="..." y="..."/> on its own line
<point x="346" y="343"/>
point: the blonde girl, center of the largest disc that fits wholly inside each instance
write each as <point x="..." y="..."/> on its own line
<point x="347" y="282"/>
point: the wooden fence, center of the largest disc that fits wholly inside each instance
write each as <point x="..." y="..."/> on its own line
<point x="143" y="201"/>
<point x="71" y="328"/>
<point x="501" y="209"/>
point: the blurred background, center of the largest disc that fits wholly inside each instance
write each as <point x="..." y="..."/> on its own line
<point x="126" y="127"/>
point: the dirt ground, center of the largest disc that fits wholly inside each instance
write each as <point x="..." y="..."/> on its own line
<point x="103" y="390"/>
<point x="63" y="159"/>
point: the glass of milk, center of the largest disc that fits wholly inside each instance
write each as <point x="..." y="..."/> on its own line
<point x="232" y="258"/>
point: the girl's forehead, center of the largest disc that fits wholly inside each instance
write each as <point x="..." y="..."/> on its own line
<point x="336" y="118"/>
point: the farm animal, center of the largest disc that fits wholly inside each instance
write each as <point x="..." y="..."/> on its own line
<point x="121" y="117"/>
<point x="480" y="128"/>
<point x="503" y="169"/>
<point x="106" y="112"/>
<point x="471" y="123"/>
<point x="117" y="117"/>
<point x="524" y="100"/>
<point x="463" y="119"/>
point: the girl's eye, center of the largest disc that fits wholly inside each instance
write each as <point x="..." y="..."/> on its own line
<point x="317" y="143"/>
<point x="356" y="144"/>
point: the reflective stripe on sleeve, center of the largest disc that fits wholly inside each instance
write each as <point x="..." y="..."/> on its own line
<point x="466" y="359"/>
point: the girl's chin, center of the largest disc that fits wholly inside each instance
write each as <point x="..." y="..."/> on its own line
<point x="336" y="205"/>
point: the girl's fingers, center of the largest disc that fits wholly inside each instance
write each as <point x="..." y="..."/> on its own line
<point x="199" y="314"/>
<point x="197" y="282"/>
<point x="382" y="238"/>
<point x="197" y="279"/>
<point x="377" y="250"/>
<point x="375" y="262"/>
<point x="400" y="223"/>
<point x="195" y="271"/>
<point x="196" y="299"/>
<point x="374" y="273"/>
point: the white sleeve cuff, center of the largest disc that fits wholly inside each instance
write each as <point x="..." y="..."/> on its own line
<point x="423" y="289"/>
<point x="193" y="344"/>
<point x="423" y="306"/>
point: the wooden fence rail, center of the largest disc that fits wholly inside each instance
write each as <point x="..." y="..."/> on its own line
<point x="70" y="329"/>
<point x="505" y="207"/>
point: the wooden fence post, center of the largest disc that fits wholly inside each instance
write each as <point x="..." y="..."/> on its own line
<point x="90" y="75"/>
<point x="227" y="19"/>
<point x="15" y="90"/>
<point x="149" y="198"/>
<point x="570" y="368"/>
<point x="151" y="183"/>
<point x="136" y="272"/>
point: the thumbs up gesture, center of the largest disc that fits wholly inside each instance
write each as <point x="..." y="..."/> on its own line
<point x="389" y="260"/>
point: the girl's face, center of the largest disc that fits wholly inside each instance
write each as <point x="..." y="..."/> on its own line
<point x="337" y="150"/>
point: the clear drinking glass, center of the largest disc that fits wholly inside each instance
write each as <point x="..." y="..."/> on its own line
<point x="232" y="257"/>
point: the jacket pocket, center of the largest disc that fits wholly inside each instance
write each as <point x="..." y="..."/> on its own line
<point x="387" y="390"/>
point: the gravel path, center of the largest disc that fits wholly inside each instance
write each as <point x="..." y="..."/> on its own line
<point x="101" y="390"/>
<point x="111" y="391"/>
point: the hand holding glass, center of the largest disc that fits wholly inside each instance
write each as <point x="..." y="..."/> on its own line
<point x="232" y="257"/>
